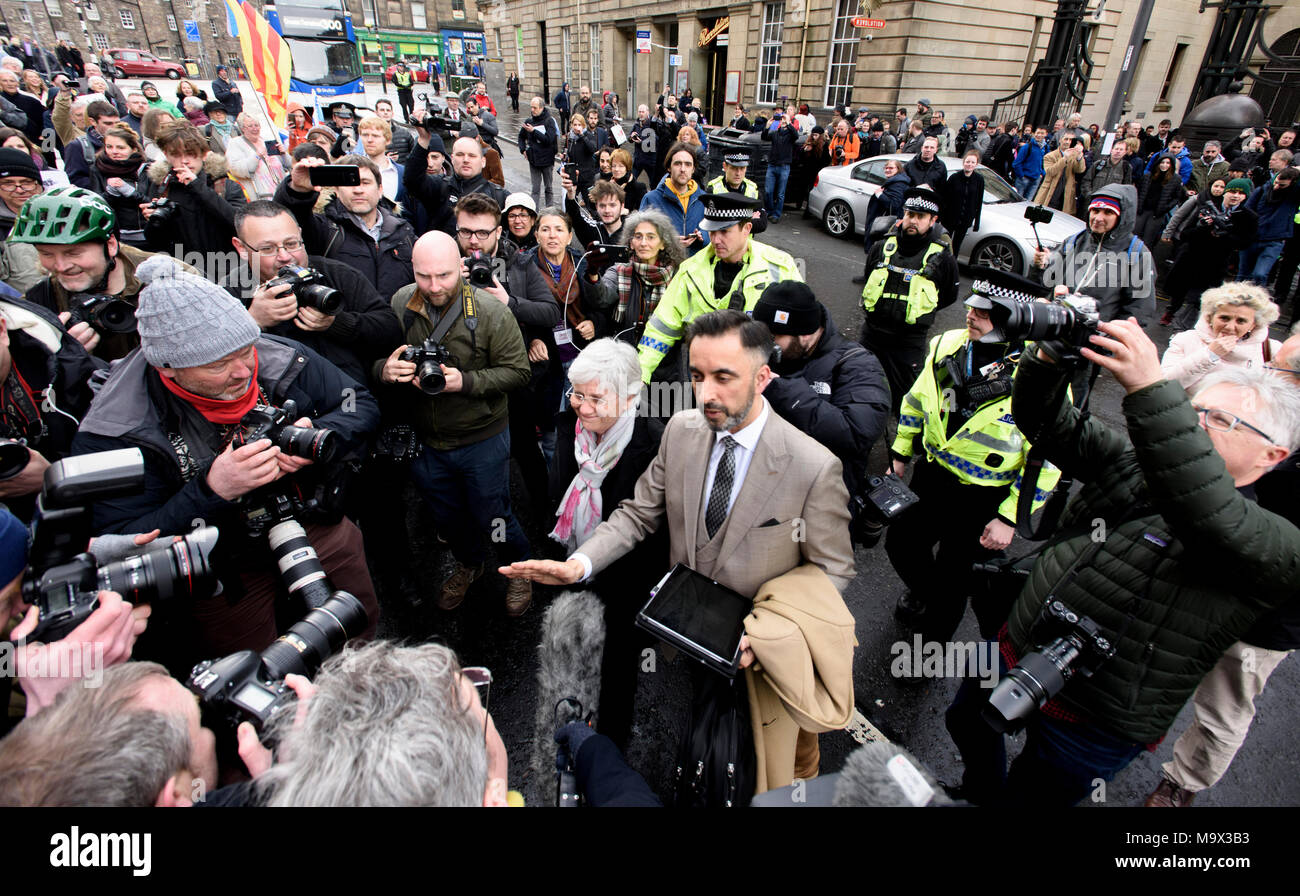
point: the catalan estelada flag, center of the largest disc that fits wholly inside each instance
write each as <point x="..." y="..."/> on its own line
<point x="266" y="57"/>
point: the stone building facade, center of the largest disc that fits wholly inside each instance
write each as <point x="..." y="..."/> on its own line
<point x="960" y="54"/>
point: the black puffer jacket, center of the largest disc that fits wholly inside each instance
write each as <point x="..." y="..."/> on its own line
<point x="439" y="195"/>
<point x="839" y="396"/>
<point x="329" y="229"/>
<point x="205" y="208"/>
<point x="1189" y="562"/>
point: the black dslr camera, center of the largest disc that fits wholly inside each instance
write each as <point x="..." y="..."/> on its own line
<point x="14" y="457"/>
<point x="164" y="212"/>
<point x="248" y="686"/>
<point x="309" y="288"/>
<point x="1068" y="321"/>
<point x="480" y="269"/>
<point x="1078" y="647"/>
<point x="429" y="358"/>
<point x="276" y="424"/>
<point x="107" y="314"/>
<point x="63" y="581"/>
<point x="886" y="498"/>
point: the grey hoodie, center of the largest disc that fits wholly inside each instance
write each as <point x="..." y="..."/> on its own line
<point x="1119" y="272"/>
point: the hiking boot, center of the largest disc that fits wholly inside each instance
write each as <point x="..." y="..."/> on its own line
<point x="519" y="594"/>
<point x="1169" y="795"/>
<point x="453" y="590"/>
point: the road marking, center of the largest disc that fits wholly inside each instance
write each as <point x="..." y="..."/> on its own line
<point x="863" y="731"/>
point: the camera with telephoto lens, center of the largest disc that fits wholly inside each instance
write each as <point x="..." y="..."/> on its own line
<point x="309" y="288"/>
<point x="429" y="359"/>
<point x="480" y="269"/>
<point x="276" y="424"/>
<point x="249" y="687"/>
<point x="1077" y="647"/>
<point x="885" y="499"/>
<point x="1071" y="320"/>
<point x="63" y="580"/>
<point x="164" y="212"/>
<point x="107" y="314"/>
<point x="14" y="457"/>
<point x="1214" y="218"/>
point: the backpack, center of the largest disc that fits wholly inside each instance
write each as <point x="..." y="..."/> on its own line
<point x="716" y="764"/>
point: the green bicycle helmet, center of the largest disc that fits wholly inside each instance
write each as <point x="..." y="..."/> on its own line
<point x="64" y="216"/>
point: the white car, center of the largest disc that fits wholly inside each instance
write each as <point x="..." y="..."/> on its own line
<point x="1005" y="239"/>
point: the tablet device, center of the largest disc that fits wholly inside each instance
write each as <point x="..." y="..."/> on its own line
<point x="698" y="616"/>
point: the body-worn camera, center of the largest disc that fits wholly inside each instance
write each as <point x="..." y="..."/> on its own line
<point x="107" y="314"/>
<point x="480" y="269"/>
<point x="309" y="288"/>
<point x="248" y="686"/>
<point x="276" y="424"/>
<point x="1072" y="319"/>
<point x="1077" y="647"/>
<point x="429" y="359"/>
<point x="62" y="580"/>
<point x="885" y="499"/>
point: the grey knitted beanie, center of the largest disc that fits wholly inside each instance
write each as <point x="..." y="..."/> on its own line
<point x="185" y="320"/>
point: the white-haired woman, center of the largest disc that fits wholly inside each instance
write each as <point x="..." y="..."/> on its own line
<point x="606" y="440"/>
<point x="251" y="165"/>
<point x="1232" y="332"/>
<point x="630" y="290"/>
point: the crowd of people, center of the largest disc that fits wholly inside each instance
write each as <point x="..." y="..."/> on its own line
<point x="670" y="391"/>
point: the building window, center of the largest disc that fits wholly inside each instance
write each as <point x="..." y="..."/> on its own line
<point x="595" y="57"/>
<point x="1172" y="74"/>
<point x="458" y="6"/>
<point x="101" y="42"/>
<point x="171" y="23"/>
<point x="212" y="23"/>
<point x="92" y="11"/>
<point x="235" y="62"/>
<point x="418" y="16"/>
<point x="844" y="54"/>
<point x="133" y="45"/>
<point x="568" y="53"/>
<point x="53" y="8"/>
<point x="24" y="16"/>
<point x="128" y="18"/>
<point x="769" y="54"/>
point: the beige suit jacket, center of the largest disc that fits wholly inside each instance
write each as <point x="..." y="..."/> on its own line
<point x="792" y="508"/>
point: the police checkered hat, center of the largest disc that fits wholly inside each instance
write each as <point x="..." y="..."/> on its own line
<point x="989" y="283"/>
<point x="922" y="198"/>
<point x="721" y="210"/>
<point x="737" y="159"/>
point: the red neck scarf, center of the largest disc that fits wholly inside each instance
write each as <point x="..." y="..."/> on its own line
<point x="215" y="410"/>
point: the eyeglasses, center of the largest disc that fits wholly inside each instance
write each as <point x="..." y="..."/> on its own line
<point x="1287" y="370"/>
<point x="1225" y="422"/>
<point x="600" y="405"/>
<point x="20" y="186"/>
<point x="466" y="233"/>
<point x="521" y="215"/>
<point x="290" y="246"/>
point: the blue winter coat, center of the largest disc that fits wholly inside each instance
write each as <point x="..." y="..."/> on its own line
<point x="1029" y="160"/>
<point x="663" y="199"/>
<point x="1276" y="212"/>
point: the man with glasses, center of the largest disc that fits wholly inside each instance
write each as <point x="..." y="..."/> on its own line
<point x="1165" y="549"/>
<point x="353" y="338"/>
<point x="20" y="180"/>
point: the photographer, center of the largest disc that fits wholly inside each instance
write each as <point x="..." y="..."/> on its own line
<point x="353" y="337"/>
<point x="203" y="365"/>
<point x="463" y="469"/>
<point x="356" y="225"/>
<point x="957" y="419"/>
<point x="439" y="195"/>
<point x="1165" y="550"/>
<point x="74" y="233"/>
<point x="844" y="146"/>
<point x="1211" y="239"/>
<point x="827" y="386"/>
<point x="45" y="383"/>
<point x="1106" y="262"/>
<point x="199" y="212"/>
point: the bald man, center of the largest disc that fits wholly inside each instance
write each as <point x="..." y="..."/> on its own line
<point x="460" y="411"/>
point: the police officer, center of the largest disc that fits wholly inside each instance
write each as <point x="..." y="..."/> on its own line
<point x="733" y="180"/>
<point x="972" y="455"/>
<point x="731" y="272"/>
<point x="912" y="276"/>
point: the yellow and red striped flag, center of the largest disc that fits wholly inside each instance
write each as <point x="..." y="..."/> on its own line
<point x="266" y="58"/>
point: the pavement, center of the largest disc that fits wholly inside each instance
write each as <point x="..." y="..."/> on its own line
<point x="1266" y="771"/>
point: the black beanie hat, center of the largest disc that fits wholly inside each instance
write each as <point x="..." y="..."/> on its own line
<point x="789" y="307"/>
<point x="16" y="163"/>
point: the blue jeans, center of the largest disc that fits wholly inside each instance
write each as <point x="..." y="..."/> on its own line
<point x="1027" y="186"/>
<point x="1058" y="766"/>
<point x="777" y="177"/>
<point x="468" y="489"/>
<point x="1255" y="262"/>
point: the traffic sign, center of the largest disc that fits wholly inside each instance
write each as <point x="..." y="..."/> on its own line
<point x="643" y="41"/>
<point x="192" y="32"/>
<point x="864" y="22"/>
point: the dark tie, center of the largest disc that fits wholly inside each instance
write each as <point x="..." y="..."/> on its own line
<point x="721" y="493"/>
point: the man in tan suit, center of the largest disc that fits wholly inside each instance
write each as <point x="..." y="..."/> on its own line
<point x="747" y="496"/>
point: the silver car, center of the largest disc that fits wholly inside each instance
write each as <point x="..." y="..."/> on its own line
<point x="1005" y="239"/>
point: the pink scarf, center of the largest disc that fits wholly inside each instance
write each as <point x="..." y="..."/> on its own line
<point x="580" y="509"/>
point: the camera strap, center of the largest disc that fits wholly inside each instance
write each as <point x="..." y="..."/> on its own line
<point x="1055" y="504"/>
